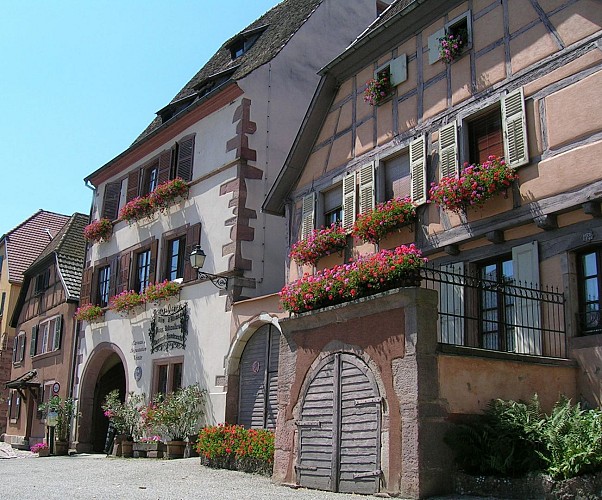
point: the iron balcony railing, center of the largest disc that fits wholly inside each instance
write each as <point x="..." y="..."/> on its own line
<point x="503" y="316"/>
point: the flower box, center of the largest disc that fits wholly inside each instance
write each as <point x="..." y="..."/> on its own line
<point x="474" y="186"/>
<point x="319" y="243"/>
<point x="159" y="200"/>
<point x="378" y="89"/>
<point x="126" y="302"/>
<point x="156" y="292"/>
<point x="368" y="275"/>
<point x="89" y="313"/>
<point x="452" y="45"/>
<point x="98" y="230"/>
<point x="385" y="218"/>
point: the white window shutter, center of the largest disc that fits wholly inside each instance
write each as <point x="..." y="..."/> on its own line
<point x="514" y="125"/>
<point x="448" y="150"/>
<point x="527" y="311"/>
<point x="58" y="327"/>
<point x="308" y="215"/>
<point x="418" y="170"/>
<point x="367" y="194"/>
<point x="398" y="68"/>
<point x="451" y="304"/>
<point x="433" y="44"/>
<point x="349" y="201"/>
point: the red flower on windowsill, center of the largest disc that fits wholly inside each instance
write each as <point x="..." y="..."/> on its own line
<point x="385" y="218"/>
<point x="318" y="244"/>
<point x="98" y="230"/>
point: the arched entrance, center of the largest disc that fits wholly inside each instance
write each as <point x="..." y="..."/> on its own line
<point x="104" y="372"/>
<point x="339" y="427"/>
<point x="258" y="393"/>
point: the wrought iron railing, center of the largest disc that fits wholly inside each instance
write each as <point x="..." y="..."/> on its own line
<point x="590" y="322"/>
<point x="503" y="316"/>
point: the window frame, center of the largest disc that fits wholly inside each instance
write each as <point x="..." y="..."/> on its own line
<point x="103" y="285"/>
<point x="19" y="347"/>
<point x="583" y="302"/>
<point x="170" y="363"/>
<point x="142" y="263"/>
<point x="44" y="336"/>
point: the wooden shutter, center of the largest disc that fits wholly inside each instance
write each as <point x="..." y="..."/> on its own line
<point x="15" y="346"/>
<point x="17" y="405"/>
<point x="514" y="125"/>
<point x="366" y="190"/>
<point x="349" y="201"/>
<point x="527" y="311"/>
<point x="164" y="166"/>
<point x="58" y="333"/>
<point x="110" y="202"/>
<point x="123" y="283"/>
<point x="85" y="295"/>
<point x="22" y="347"/>
<point x="193" y="238"/>
<point x="113" y="276"/>
<point x="152" y="273"/>
<point x="34" y="340"/>
<point x="418" y="170"/>
<point x="448" y="150"/>
<point x="308" y="215"/>
<point x="2" y="303"/>
<point x="185" y="158"/>
<point x="133" y="185"/>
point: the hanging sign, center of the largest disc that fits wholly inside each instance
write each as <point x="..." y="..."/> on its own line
<point x="169" y="328"/>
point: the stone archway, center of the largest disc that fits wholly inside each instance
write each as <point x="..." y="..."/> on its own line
<point x="104" y="371"/>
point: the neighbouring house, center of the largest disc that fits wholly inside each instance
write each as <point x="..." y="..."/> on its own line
<point x="192" y="184"/>
<point x="509" y="304"/>
<point x="43" y="319"/>
<point x="19" y="247"/>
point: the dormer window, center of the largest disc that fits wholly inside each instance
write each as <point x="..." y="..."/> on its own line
<point x="241" y="43"/>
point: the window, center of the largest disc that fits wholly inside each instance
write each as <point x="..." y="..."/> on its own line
<point x="104" y="281"/>
<point x="459" y="25"/>
<point x="397" y="177"/>
<point x="167" y="375"/>
<point x="42" y="282"/>
<point x="14" y="405"/>
<point x="481" y="135"/>
<point x="150" y="178"/>
<point x="590" y="284"/>
<point x="19" y="347"/>
<point x="497" y="309"/>
<point x="46" y="337"/>
<point x="175" y="258"/>
<point x="244" y="41"/>
<point x="142" y="270"/>
<point x="333" y="207"/>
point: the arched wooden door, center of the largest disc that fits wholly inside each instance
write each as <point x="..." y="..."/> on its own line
<point x="258" y="404"/>
<point x="339" y="428"/>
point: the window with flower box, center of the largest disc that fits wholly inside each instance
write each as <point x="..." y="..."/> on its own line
<point x="46" y="336"/>
<point x="459" y="26"/>
<point x="480" y="134"/>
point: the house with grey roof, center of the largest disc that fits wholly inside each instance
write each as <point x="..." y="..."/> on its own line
<point x="43" y="318"/>
<point x="192" y="184"/>
<point x="19" y="247"/>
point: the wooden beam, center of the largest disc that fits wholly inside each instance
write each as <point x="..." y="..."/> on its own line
<point x="546" y="222"/>
<point x="452" y="249"/>
<point x="592" y="208"/>
<point x="495" y="236"/>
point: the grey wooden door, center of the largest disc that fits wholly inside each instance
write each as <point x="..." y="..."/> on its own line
<point x="339" y="428"/>
<point x="257" y="406"/>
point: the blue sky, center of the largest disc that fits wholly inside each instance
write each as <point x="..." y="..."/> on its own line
<point x="79" y="80"/>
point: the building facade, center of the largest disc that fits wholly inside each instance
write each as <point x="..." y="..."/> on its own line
<point x="43" y="347"/>
<point x="226" y="135"/>
<point x="517" y="275"/>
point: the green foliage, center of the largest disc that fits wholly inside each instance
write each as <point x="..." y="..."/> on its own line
<point x="514" y="438"/>
<point x="65" y="409"/>
<point x="573" y="440"/>
<point x="223" y="441"/>
<point x="180" y="412"/>
<point x="125" y="415"/>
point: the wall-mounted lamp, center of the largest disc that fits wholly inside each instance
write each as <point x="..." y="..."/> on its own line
<point x="197" y="260"/>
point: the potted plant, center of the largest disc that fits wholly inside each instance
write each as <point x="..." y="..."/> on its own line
<point x="126" y="302"/>
<point x="368" y="275"/>
<point x="89" y="313"/>
<point x="473" y="186"/>
<point x="65" y="410"/>
<point x="180" y="414"/>
<point x="167" y="193"/>
<point x="137" y="209"/>
<point x="41" y="449"/>
<point x="319" y="243"/>
<point x="98" y="230"/>
<point x="385" y="218"/>
<point x="451" y="45"/>
<point x="156" y="292"/>
<point x="125" y="417"/>
<point x="378" y="89"/>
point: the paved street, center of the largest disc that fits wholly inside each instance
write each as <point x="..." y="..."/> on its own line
<point x="96" y="476"/>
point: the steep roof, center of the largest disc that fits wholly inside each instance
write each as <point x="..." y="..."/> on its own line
<point x="276" y="27"/>
<point x="69" y="246"/>
<point x="25" y="242"/>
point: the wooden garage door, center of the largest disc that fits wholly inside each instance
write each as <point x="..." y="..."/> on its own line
<point x="259" y="379"/>
<point x="339" y="428"/>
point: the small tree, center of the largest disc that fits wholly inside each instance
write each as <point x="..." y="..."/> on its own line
<point x="181" y="411"/>
<point x="65" y="410"/>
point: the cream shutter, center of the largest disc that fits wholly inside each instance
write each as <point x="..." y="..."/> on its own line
<point x="308" y="215"/>
<point x="349" y="201"/>
<point x="448" y="150"/>
<point x="366" y="175"/>
<point x="527" y="313"/>
<point x="514" y="125"/>
<point x="418" y="170"/>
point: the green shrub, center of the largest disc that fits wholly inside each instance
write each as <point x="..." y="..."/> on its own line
<point x="514" y="438"/>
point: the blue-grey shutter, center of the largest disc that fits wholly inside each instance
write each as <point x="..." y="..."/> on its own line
<point x="34" y="340"/>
